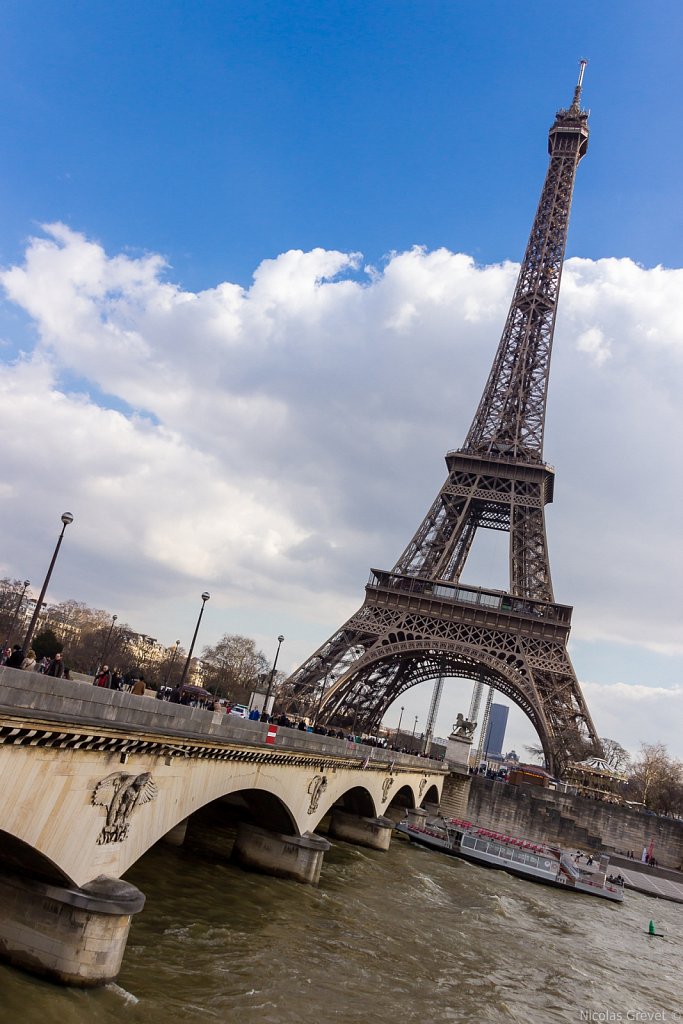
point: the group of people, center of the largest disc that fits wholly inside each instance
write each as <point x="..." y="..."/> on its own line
<point x="645" y="858"/>
<point x="133" y="682"/>
<point x="14" y="657"/>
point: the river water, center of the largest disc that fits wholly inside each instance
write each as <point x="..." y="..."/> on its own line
<point x="395" y="938"/>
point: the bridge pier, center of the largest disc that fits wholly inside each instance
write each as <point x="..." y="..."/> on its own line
<point x="455" y="794"/>
<point x="353" y="828"/>
<point x="417" y="816"/>
<point x="69" y="935"/>
<point x="297" y="857"/>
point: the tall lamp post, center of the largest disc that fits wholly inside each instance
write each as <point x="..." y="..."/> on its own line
<point x="66" y="519"/>
<point x="398" y="727"/>
<point x="103" y="655"/>
<point x="16" y="612"/>
<point x="272" y="674"/>
<point x="205" y="598"/>
<point x="173" y="657"/>
<point x="324" y="664"/>
<point x="414" y="728"/>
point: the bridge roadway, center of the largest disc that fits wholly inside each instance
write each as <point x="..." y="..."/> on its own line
<point x="91" y="779"/>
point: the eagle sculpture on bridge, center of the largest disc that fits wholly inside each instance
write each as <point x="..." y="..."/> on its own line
<point x="121" y="793"/>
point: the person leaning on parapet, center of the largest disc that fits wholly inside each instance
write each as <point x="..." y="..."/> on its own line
<point x="139" y="686"/>
<point x="176" y="694"/>
<point x="16" y="657"/>
<point x="56" y="667"/>
<point x="29" y="662"/>
<point x="103" y="678"/>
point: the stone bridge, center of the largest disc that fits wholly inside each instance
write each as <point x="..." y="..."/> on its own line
<point x="91" y="779"/>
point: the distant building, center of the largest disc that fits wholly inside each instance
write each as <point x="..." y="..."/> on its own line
<point x="495" y="733"/>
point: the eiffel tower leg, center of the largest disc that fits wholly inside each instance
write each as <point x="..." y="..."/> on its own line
<point x="529" y="563"/>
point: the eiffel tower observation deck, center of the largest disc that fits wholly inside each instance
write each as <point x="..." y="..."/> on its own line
<point x="418" y="621"/>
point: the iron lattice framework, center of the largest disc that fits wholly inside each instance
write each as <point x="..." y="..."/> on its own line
<point x="418" y="621"/>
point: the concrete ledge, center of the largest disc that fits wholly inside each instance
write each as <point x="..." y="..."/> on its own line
<point x="63" y="702"/>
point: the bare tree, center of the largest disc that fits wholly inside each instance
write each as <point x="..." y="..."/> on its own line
<point x="12" y="603"/>
<point x="615" y="755"/>
<point x="233" y="666"/>
<point x="657" y="780"/>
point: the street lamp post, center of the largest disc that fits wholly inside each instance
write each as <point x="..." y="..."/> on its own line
<point x="205" y="598"/>
<point x="13" y="623"/>
<point x="66" y="519"/>
<point x="325" y="665"/>
<point x="414" y="728"/>
<point x="272" y="674"/>
<point x="103" y="655"/>
<point x="398" y="727"/>
<point x="173" y="657"/>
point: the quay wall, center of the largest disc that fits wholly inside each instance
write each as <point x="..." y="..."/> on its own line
<point x="573" y="821"/>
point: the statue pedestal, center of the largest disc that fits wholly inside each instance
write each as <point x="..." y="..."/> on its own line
<point x="458" y="752"/>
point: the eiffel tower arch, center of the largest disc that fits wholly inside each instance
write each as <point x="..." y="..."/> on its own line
<point x="418" y="621"/>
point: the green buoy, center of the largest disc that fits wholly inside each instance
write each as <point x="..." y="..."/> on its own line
<point x="651" y="931"/>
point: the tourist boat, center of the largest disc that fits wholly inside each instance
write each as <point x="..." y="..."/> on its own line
<point x="536" y="862"/>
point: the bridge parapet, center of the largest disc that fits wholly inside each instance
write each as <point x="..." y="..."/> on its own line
<point x="30" y="695"/>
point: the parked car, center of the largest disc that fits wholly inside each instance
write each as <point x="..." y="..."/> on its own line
<point x="239" y="709"/>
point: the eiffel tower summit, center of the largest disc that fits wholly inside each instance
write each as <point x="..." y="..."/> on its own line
<point x="418" y="621"/>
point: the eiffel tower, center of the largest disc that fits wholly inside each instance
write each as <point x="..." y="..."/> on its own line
<point x="418" y="621"/>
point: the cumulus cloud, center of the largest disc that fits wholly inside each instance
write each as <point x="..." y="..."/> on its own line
<point x="277" y="440"/>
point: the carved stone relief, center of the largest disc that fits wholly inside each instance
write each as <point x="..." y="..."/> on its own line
<point x="121" y="793"/>
<point x="316" y="788"/>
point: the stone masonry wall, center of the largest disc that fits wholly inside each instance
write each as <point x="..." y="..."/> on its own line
<point x="573" y="821"/>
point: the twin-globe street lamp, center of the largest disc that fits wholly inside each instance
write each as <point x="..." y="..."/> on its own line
<point x="272" y="674"/>
<point x="103" y="655"/>
<point x="173" y="657"/>
<point x="205" y="597"/>
<point x="66" y="519"/>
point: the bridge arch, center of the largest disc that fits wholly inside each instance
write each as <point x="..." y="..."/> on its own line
<point x="430" y="797"/>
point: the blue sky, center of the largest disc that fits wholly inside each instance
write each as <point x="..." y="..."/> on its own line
<point x="268" y="425"/>
<point x="222" y="133"/>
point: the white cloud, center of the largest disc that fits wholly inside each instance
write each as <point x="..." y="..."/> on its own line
<point x="593" y="342"/>
<point x="634" y="714"/>
<point x="276" y="440"/>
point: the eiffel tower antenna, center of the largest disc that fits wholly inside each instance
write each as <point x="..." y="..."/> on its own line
<point x="418" y="620"/>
